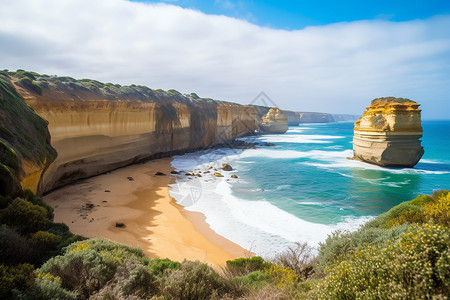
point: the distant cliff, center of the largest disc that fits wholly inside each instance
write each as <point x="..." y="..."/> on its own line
<point x="274" y="121"/>
<point x="313" y="117"/>
<point x="345" y="117"/>
<point x="97" y="127"/>
<point x="295" y="118"/>
<point x="388" y="134"/>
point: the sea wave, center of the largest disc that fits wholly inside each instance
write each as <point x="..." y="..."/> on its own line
<point x="300" y="138"/>
<point x="255" y="225"/>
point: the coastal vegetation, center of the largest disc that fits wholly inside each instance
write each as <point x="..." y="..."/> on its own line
<point x="401" y="254"/>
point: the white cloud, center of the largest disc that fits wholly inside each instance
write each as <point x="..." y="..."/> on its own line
<point x="334" y="68"/>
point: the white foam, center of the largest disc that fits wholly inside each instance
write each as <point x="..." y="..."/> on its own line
<point x="299" y="138"/>
<point x="255" y="225"/>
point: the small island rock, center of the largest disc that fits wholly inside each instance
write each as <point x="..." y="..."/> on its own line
<point x="388" y="134"/>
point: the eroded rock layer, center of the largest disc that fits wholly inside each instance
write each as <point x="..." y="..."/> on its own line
<point x="99" y="127"/>
<point x="274" y="121"/>
<point x="388" y="134"/>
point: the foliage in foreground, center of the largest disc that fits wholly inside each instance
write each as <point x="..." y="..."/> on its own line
<point x="417" y="266"/>
<point x="398" y="255"/>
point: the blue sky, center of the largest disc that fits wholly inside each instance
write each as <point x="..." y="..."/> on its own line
<point x="285" y="14"/>
<point x="328" y="56"/>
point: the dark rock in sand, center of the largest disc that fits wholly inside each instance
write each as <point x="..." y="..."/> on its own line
<point x="226" y="167"/>
<point x="160" y="174"/>
<point x="120" y="225"/>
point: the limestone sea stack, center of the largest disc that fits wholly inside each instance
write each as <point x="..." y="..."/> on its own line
<point x="388" y="134"/>
<point x="274" y="121"/>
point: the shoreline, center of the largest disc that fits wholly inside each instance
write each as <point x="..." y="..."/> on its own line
<point x="154" y="222"/>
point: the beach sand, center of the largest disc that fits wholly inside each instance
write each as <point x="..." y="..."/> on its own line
<point x="138" y="198"/>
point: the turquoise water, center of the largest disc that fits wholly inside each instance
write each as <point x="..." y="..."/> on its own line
<point x="305" y="187"/>
<point x="319" y="184"/>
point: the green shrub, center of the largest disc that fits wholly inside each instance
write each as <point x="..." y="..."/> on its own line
<point x="45" y="239"/>
<point x="416" y="267"/>
<point x="25" y="216"/>
<point x="194" y="280"/>
<point x="160" y="266"/>
<point x="46" y="286"/>
<point x="253" y="280"/>
<point x="438" y="211"/>
<point x="421" y="200"/>
<point x="173" y="92"/>
<point x="5" y="201"/>
<point x="283" y="277"/>
<point x="132" y="280"/>
<point x="140" y="282"/>
<point x="31" y="197"/>
<point x="70" y="240"/>
<point x="88" y="265"/>
<point x="243" y="266"/>
<point x="19" y="278"/>
<point x="340" y="243"/>
<point x="298" y="258"/>
<point x="393" y="213"/>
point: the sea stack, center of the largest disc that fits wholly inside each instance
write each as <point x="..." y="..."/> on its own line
<point x="388" y="134"/>
<point x="274" y="121"/>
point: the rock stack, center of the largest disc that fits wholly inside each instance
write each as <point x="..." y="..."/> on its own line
<point x="274" y="121"/>
<point x="388" y="134"/>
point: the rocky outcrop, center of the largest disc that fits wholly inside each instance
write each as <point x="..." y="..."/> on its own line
<point x="98" y="127"/>
<point x="388" y="134"/>
<point x="25" y="150"/>
<point x="313" y="117"/>
<point x="274" y="121"/>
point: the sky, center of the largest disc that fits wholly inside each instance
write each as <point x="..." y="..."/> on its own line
<point x="325" y="56"/>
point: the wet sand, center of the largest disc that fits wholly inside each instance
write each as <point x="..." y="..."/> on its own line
<point x="138" y="198"/>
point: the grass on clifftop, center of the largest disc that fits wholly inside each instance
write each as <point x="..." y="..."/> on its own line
<point x="391" y="100"/>
<point x="39" y="83"/>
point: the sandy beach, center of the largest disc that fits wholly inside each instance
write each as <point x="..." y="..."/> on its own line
<point x="138" y="198"/>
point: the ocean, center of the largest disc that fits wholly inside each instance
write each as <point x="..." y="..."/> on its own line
<point x="304" y="187"/>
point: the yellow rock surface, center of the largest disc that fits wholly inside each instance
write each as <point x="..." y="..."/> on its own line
<point x="93" y="135"/>
<point x="388" y="134"/>
<point x="274" y="121"/>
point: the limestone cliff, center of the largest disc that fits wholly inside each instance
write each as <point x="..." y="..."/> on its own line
<point x="25" y="150"/>
<point x="388" y="134"/>
<point x="97" y="127"/>
<point x="274" y="121"/>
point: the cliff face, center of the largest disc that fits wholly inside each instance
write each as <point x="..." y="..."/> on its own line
<point x="274" y="121"/>
<point x="25" y="150"/>
<point x="388" y="134"/>
<point x="98" y="128"/>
